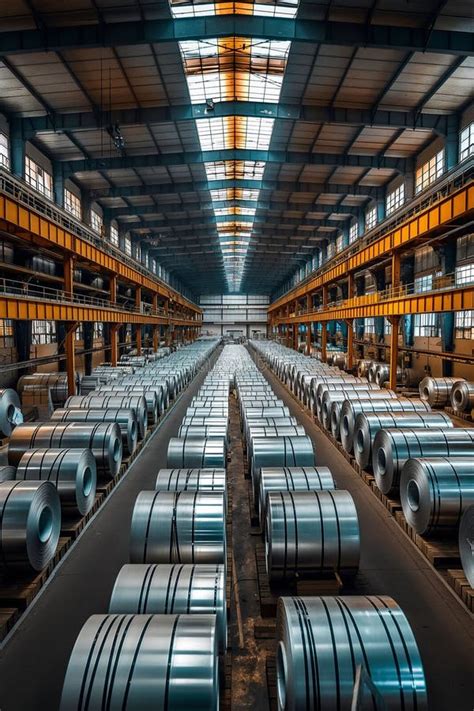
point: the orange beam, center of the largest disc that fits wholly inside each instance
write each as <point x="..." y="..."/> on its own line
<point x="113" y="288"/>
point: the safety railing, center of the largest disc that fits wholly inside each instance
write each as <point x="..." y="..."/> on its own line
<point x="25" y="195"/>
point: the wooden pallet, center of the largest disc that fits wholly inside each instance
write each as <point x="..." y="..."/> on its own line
<point x="458" y="581"/>
<point x="467" y="416"/>
<point x="271" y="673"/>
<point x="226" y="683"/>
<point x="264" y="628"/>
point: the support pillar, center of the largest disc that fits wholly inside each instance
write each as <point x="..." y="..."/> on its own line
<point x="324" y="341"/>
<point x="308" y="338"/>
<point x="17" y="149"/>
<point x="88" y="330"/>
<point x="71" y="357"/>
<point x="113" y="288"/>
<point x="58" y="183"/>
<point x="396" y="273"/>
<point x="394" y="320"/>
<point x="350" y="344"/>
<point x="114" y="332"/>
<point x="68" y="275"/>
<point x="452" y="141"/>
<point x="156" y="338"/>
<point x="447" y="254"/>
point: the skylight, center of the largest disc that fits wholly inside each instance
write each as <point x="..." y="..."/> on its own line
<point x="235" y="132"/>
<point x="272" y="8"/>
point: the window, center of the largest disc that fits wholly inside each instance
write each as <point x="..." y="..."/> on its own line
<point x="128" y="245"/>
<point x="97" y="222"/>
<point x="353" y="232"/>
<point x="465" y="247"/>
<point x="6" y="333"/>
<point x="38" y="178"/>
<point x="466" y="142"/>
<point x="138" y="252"/>
<point x="424" y="283"/>
<point x="426" y="325"/>
<point x="43" y="332"/>
<point x="72" y="203"/>
<point x="339" y="243"/>
<point x="4" y="151"/>
<point x="464" y="325"/>
<point x="79" y="333"/>
<point x="395" y="199"/>
<point x="465" y="275"/>
<point x="369" y="326"/>
<point x="387" y="328"/>
<point x="370" y="218"/>
<point x="429" y="172"/>
<point x="114" y="235"/>
<point x="331" y="250"/>
<point x="98" y="329"/>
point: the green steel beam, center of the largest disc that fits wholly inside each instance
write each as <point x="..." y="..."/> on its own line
<point x="166" y="209"/>
<point x="168" y="226"/>
<point x="137" y="32"/>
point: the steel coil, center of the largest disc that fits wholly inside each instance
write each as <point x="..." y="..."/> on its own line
<point x="292" y="479"/>
<point x="322" y="641"/>
<point x="437" y="391"/>
<point x="178" y="527"/>
<point x="7" y="473"/>
<point x="466" y="544"/>
<point x="462" y="396"/>
<point x="435" y="491"/>
<point x="197" y="452"/>
<point x="368" y="424"/>
<point x="135" y="403"/>
<point x="204" y="431"/>
<point x="205" y="422"/>
<point x="104" y="440"/>
<point x="30" y="524"/>
<point x="351" y="408"/>
<point x="55" y="383"/>
<point x="89" y="383"/>
<point x="392" y="448"/>
<point x="363" y="368"/>
<point x="279" y="452"/>
<point x="191" y="480"/>
<point x="207" y="412"/>
<point x="259" y="432"/>
<point x="324" y="408"/>
<point x="310" y="532"/>
<point x="172" y="590"/>
<point x="72" y="471"/>
<point x="10" y="411"/>
<point x="138" y="662"/>
<point x="125" y="419"/>
<point x="151" y="398"/>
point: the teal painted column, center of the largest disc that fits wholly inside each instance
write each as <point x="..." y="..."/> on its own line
<point x="86" y="203"/>
<point x="447" y="255"/>
<point x="407" y="276"/>
<point x="17" y="149"/>
<point x="58" y="183"/>
<point x="379" y="321"/>
<point x="359" y="322"/>
<point x="452" y="142"/>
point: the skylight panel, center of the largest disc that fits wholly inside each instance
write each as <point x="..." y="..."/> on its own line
<point x="273" y="8"/>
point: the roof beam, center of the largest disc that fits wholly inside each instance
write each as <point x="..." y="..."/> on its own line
<point x="195" y="157"/>
<point x="200" y="225"/>
<point x="93" y="120"/>
<point x="137" y="32"/>
<point x="166" y="209"/>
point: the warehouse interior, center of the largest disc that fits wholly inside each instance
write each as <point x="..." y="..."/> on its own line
<point x="236" y="355"/>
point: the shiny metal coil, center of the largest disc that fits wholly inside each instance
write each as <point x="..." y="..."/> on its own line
<point x="205" y="422"/>
<point x="161" y="387"/>
<point x="324" y="407"/>
<point x="89" y="383"/>
<point x="368" y="424"/>
<point x="10" y="411"/>
<point x="150" y="395"/>
<point x="351" y="408"/>
<point x="292" y="479"/>
<point x="391" y="449"/>
<point x="30" y="524"/>
<point x="72" y="471"/>
<point x="7" y="473"/>
<point x="207" y="412"/>
<point x="323" y="640"/>
<point x="382" y="374"/>
<point x="410" y="378"/>
<point x="466" y="544"/>
<point x="437" y="391"/>
<point x="363" y="368"/>
<point x="435" y="491"/>
<point x="125" y="419"/>
<point x="371" y="371"/>
<point x="259" y="432"/>
<point x="56" y="383"/>
<point x="259" y="413"/>
<point x="309" y="532"/>
<point x="462" y="396"/>
<point x="279" y="452"/>
<point x="191" y="480"/>
<point x="204" y="431"/>
<point x="136" y="403"/>
<point x="104" y="440"/>
<point x="197" y="452"/>
<point x="178" y="527"/>
<point x="164" y="589"/>
<point x="138" y="662"/>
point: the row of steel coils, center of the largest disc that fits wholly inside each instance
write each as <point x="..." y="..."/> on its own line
<point x="55" y="467"/>
<point x="166" y="627"/>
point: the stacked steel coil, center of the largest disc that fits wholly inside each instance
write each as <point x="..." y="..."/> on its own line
<point x="150" y="395"/>
<point x="363" y="368"/>
<point x="55" y="383"/>
<point x="368" y="424"/>
<point x="197" y="452"/>
<point x="437" y="391"/>
<point x="144" y="662"/>
<point x="279" y="452"/>
<point x="104" y="440"/>
<point x="125" y="419"/>
<point x="291" y="479"/>
<point x="262" y="432"/>
<point x="462" y="396"/>
<point x="392" y="448"/>
<point x="178" y="527"/>
<point x="172" y="590"/>
<point x="7" y="473"/>
<point x="89" y="383"/>
<point x="10" y="411"/>
<point x="323" y="640"/>
<point x="191" y="480"/>
<point x="135" y="403"/>
<point x="435" y="491"/>
<point x="30" y="524"/>
<point x="382" y="374"/>
<point x="331" y="397"/>
<point x="466" y="544"/>
<point x="310" y="532"/>
<point x="72" y="471"/>
<point x="204" y="432"/>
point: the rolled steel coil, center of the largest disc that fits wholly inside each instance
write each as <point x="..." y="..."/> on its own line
<point x="56" y="383"/>
<point x="329" y="397"/>
<point x="172" y="590"/>
<point x="363" y="368"/>
<point x="258" y="413"/>
<point x="207" y="412"/>
<point x="178" y="527"/>
<point x="392" y="448"/>
<point x="279" y="452"/>
<point x="72" y="471"/>
<point x="371" y="370"/>
<point x="136" y="403"/>
<point x="410" y="378"/>
<point x="435" y="491"/>
<point x="462" y="396"/>
<point x="10" y="411"/>
<point x="368" y="424"/>
<point x="139" y="662"/>
<point x="125" y="419"/>
<point x="89" y="383"/>
<point x="437" y="391"/>
<point x="339" y="360"/>
<point x="205" y="422"/>
<point x="151" y="398"/>
<point x="204" y="431"/>
<point x="191" y="480"/>
<point x="30" y="524"/>
<point x="292" y="479"/>
<point x="382" y="374"/>
<point x="197" y="452"/>
<point x="351" y="408"/>
<point x="7" y="473"/>
<point x="466" y="544"/>
<point x="259" y="432"/>
<point x="310" y="532"/>
<point x="104" y="440"/>
<point x="322" y="641"/>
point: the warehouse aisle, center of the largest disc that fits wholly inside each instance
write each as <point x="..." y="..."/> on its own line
<point x="40" y="648"/>
<point x="391" y="565"/>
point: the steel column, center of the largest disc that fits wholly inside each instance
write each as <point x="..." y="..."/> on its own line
<point x="114" y="331"/>
<point x="324" y="341"/>
<point x="350" y="343"/>
<point x="113" y="288"/>
<point x="68" y="266"/>
<point x="71" y="357"/>
<point x="394" y="320"/>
